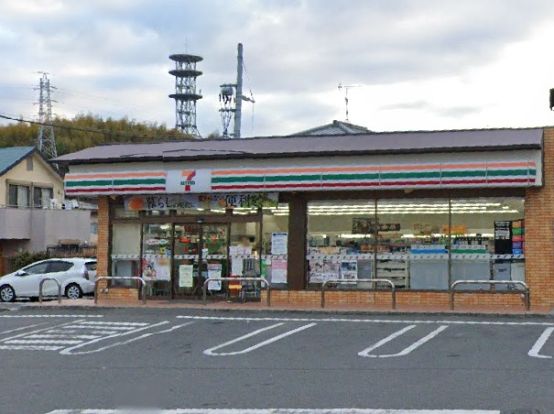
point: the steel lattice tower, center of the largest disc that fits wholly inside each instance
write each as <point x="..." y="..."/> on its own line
<point x="185" y="92"/>
<point x="46" y="141"/>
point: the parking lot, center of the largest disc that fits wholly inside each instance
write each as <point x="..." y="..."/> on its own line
<point x="173" y="359"/>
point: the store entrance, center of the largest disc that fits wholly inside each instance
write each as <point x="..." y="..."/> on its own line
<point x="177" y="257"/>
<point x="200" y="252"/>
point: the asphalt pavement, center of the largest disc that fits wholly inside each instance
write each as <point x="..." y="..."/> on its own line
<point x="105" y="360"/>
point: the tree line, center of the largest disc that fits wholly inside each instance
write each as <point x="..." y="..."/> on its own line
<point x="87" y="130"/>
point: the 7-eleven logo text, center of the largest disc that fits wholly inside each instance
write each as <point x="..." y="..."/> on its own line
<point x="187" y="179"/>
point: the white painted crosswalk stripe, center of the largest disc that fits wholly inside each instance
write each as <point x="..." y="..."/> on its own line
<point x="60" y="335"/>
<point x="276" y="411"/>
<point x="30" y="347"/>
<point x="43" y="341"/>
<point x="111" y="327"/>
<point x="115" y="323"/>
<point x="51" y="316"/>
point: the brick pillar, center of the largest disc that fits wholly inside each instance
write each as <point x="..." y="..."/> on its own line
<point x="102" y="246"/>
<point x="539" y="230"/>
<point x="296" y="268"/>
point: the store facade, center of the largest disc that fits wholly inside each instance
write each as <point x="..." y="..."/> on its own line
<point x="422" y="209"/>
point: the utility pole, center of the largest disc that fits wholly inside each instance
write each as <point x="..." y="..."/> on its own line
<point x="238" y="93"/>
<point x="46" y="141"/>
<point x="232" y="108"/>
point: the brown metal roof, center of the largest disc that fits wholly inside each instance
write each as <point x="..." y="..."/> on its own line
<point x="306" y="146"/>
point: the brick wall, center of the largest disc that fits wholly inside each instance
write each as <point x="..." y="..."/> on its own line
<point x="102" y="251"/>
<point x="404" y="299"/>
<point x="539" y="231"/>
<point x="118" y="295"/>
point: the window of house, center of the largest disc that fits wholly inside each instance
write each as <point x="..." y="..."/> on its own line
<point x="42" y="196"/>
<point x="18" y="195"/>
<point x="30" y="164"/>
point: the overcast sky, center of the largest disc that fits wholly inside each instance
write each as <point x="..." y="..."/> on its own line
<point x="419" y="64"/>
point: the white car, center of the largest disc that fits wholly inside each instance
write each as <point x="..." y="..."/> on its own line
<point x="75" y="275"/>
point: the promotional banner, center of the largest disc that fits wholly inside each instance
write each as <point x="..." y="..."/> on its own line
<point x="205" y="201"/>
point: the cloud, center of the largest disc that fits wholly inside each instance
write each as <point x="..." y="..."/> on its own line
<point x="416" y="59"/>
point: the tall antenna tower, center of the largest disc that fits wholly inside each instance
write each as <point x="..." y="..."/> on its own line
<point x="232" y="107"/>
<point x="185" y="92"/>
<point x="46" y="141"/>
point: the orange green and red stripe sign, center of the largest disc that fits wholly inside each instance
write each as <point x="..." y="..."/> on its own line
<point x="494" y="174"/>
<point x="446" y="175"/>
<point x="115" y="183"/>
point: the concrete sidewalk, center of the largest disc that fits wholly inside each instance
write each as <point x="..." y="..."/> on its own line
<point x="88" y="303"/>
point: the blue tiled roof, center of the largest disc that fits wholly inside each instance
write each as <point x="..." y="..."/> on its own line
<point x="10" y="156"/>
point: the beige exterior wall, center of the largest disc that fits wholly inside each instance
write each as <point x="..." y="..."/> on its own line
<point x="41" y="175"/>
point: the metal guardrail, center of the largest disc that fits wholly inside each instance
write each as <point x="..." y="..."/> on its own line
<point x="492" y="283"/>
<point x="142" y="281"/>
<point x="345" y="281"/>
<point x="41" y="284"/>
<point x="236" y="279"/>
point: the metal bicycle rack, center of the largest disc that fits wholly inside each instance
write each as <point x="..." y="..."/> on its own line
<point x="142" y="281"/>
<point x="236" y="279"/>
<point x="41" y="284"/>
<point x="350" y="282"/>
<point x="492" y="283"/>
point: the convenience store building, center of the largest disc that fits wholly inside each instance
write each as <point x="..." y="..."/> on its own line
<point x="422" y="209"/>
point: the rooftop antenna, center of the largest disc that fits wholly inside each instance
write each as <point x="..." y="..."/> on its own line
<point x="46" y="141"/>
<point x="231" y="97"/>
<point x="346" y="88"/>
<point x="186" y="94"/>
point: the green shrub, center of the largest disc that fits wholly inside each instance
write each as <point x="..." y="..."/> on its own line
<point x="26" y="258"/>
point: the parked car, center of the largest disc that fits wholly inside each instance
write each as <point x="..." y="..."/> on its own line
<point x="75" y="275"/>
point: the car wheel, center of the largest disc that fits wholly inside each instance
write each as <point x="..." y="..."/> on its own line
<point x="73" y="291"/>
<point x="7" y="294"/>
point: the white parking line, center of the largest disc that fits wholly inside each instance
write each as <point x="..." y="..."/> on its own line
<point x="366" y="352"/>
<point x="278" y="411"/>
<point x="392" y="321"/>
<point x="536" y="348"/>
<point x="211" y="352"/>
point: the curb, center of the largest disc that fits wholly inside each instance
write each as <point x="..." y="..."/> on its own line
<point x="448" y="313"/>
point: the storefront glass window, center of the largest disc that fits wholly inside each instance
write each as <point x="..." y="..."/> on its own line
<point x="274" y="246"/>
<point x="341" y="240"/>
<point x="156" y="258"/>
<point x="488" y="237"/>
<point x="125" y="251"/>
<point x="413" y="242"/>
<point x="420" y="244"/>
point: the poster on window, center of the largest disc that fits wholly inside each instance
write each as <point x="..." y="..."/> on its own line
<point x="322" y="270"/>
<point x="156" y="267"/>
<point x="214" y="271"/>
<point x="278" y="271"/>
<point x="349" y="269"/>
<point x="185" y="276"/>
<point x="279" y="242"/>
